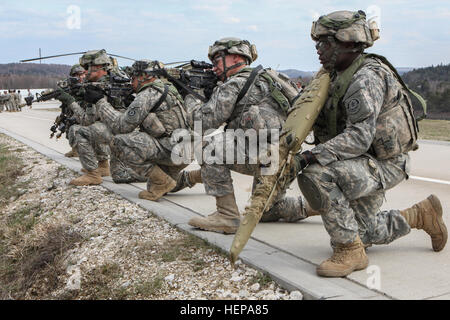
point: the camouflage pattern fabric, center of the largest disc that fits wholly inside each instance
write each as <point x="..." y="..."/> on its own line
<point x="373" y="89"/>
<point x="3" y="99"/>
<point x="353" y="191"/>
<point x="137" y="112"/>
<point x="85" y="115"/>
<point x="92" y="134"/>
<point x="289" y="209"/>
<point x="136" y="152"/>
<point x="139" y="151"/>
<point x="222" y="106"/>
<point x="348" y="183"/>
<point x="102" y="151"/>
<point x="257" y="110"/>
<point x="88" y="139"/>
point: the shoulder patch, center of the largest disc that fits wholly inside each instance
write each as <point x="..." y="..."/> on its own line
<point x="353" y="106"/>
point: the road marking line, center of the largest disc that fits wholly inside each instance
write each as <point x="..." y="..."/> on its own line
<point x="37" y="118"/>
<point x="430" y="180"/>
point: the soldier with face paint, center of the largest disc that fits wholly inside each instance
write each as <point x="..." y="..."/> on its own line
<point x="363" y="136"/>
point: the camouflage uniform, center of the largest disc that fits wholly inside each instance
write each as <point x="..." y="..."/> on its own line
<point x="140" y="150"/>
<point x="10" y="102"/>
<point x="257" y="110"/>
<point x="93" y="140"/>
<point x="349" y="171"/>
<point x="15" y="101"/>
<point x="3" y="100"/>
<point x="85" y="115"/>
<point x="360" y="150"/>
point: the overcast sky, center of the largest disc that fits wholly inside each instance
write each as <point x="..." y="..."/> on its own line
<point x="413" y="33"/>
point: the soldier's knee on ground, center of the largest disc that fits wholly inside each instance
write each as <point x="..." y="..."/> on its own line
<point x="312" y="188"/>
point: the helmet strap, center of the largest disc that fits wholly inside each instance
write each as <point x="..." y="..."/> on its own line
<point x="226" y="69"/>
<point x="338" y="50"/>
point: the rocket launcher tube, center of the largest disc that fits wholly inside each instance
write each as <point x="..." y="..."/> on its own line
<point x="295" y="130"/>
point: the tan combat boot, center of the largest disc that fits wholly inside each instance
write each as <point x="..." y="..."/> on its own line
<point x="90" y="178"/>
<point x="159" y="183"/>
<point x="226" y="219"/>
<point x="427" y="215"/>
<point x="72" y="153"/>
<point x="103" y="168"/>
<point x="346" y="258"/>
<point x="187" y="179"/>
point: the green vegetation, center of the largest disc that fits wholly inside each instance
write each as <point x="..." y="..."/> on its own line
<point x="150" y="287"/>
<point x="434" y="130"/>
<point x="10" y="169"/>
<point x="433" y="83"/>
<point x="261" y="278"/>
<point x="31" y="75"/>
<point x="31" y="264"/>
<point x="30" y="252"/>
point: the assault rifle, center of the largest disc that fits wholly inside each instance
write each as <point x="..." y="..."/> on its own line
<point x="62" y="123"/>
<point x="191" y="78"/>
<point x="67" y="85"/>
<point x="118" y="88"/>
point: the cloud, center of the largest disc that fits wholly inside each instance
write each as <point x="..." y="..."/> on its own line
<point x="253" y="28"/>
<point x="231" y="20"/>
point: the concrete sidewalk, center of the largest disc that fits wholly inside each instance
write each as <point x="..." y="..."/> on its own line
<point x="289" y="253"/>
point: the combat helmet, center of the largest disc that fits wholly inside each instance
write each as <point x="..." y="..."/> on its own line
<point x="96" y="57"/>
<point x="346" y="26"/>
<point x="234" y="46"/>
<point x="76" y="68"/>
<point x="145" y="66"/>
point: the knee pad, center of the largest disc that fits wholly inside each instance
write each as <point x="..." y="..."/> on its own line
<point x="316" y="196"/>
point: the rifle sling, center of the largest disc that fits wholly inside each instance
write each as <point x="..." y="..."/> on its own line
<point x="249" y="82"/>
<point x="162" y="98"/>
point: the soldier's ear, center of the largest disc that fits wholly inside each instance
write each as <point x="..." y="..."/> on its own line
<point x="238" y="58"/>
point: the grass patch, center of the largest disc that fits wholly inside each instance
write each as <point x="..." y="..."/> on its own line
<point x="434" y="130"/>
<point x="261" y="278"/>
<point x="24" y="218"/>
<point x="31" y="264"/>
<point x="184" y="248"/>
<point x="100" y="283"/>
<point x="199" y="264"/>
<point x="11" y="167"/>
<point x="151" y="287"/>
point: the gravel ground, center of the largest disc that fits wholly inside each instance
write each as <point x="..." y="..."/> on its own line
<point x="126" y="252"/>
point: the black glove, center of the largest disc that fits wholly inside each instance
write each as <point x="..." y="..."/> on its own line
<point x="93" y="94"/>
<point x="64" y="97"/>
<point x="302" y="160"/>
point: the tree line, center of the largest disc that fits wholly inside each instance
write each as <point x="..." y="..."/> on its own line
<point x="432" y="83"/>
<point x="31" y="75"/>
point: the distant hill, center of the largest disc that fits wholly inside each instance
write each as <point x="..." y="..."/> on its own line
<point x="402" y="71"/>
<point x="293" y="73"/>
<point x="433" y="83"/>
<point x="31" y="75"/>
